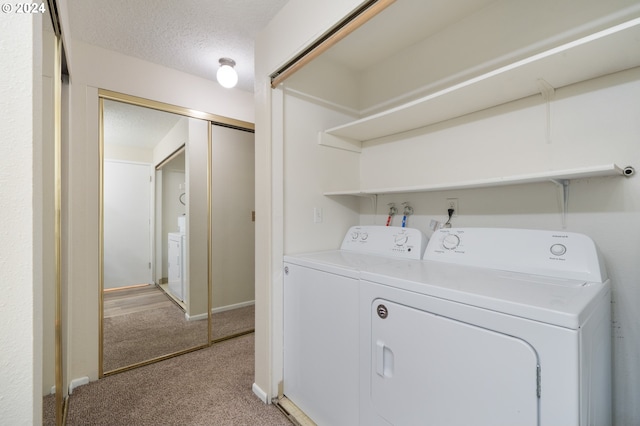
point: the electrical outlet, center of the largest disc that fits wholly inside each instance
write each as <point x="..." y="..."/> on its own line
<point x="452" y="203"/>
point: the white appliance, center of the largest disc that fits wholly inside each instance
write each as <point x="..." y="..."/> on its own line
<point x="321" y="293"/>
<point x="494" y="327"/>
<point x="176" y="257"/>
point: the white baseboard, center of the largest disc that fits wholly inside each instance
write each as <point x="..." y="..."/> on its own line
<point x="234" y="306"/>
<point x="76" y="383"/>
<point x="260" y="393"/>
<point x="195" y="317"/>
<point x="218" y="310"/>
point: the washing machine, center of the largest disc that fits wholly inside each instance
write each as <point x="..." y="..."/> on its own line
<point x="176" y="256"/>
<point x="494" y="327"/>
<point x="321" y="322"/>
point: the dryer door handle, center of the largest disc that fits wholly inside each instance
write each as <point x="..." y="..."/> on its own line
<point x="384" y="360"/>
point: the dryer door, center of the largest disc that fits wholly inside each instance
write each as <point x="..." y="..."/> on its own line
<point x="431" y="370"/>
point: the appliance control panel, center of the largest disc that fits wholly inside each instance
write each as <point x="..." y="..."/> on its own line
<point x="405" y="243"/>
<point x="557" y="254"/>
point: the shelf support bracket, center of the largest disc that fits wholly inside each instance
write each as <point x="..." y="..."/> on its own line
<point x="564" y="185"/>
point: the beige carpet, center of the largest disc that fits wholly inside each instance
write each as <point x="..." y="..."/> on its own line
<point x="208" y="387"/>
<point x="134" y="333"/>
<point x="49" y="410"/>
<point x="233" y="321"/>
<point x="139" y="336"/>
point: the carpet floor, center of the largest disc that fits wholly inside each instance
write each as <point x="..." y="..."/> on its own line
<point x="210" y="386"/>
<point x="139" y="336"/>
<point x="142" y="324"/>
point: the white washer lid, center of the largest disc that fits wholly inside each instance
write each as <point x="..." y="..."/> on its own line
<point x="561" y="302"/>
<point x="339" y="262"/>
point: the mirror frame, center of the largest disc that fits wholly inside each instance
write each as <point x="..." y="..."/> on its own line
<point x="60" y="73"/>
<point x="60" y="396"/>
<point x="161" y="106"/>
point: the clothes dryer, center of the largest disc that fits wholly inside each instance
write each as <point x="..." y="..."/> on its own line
<point x="494" y="327"/>
<point x="321" y="299"/>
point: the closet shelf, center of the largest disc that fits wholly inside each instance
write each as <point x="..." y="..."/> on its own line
<point x="604" y="52"/>
<point x="557" y="177"/>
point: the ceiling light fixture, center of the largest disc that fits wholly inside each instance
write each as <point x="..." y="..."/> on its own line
<point x="227" y="75"/>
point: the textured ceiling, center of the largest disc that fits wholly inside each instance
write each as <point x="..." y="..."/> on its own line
<point x="134" y="126"/>
<point x="187" y="35"/>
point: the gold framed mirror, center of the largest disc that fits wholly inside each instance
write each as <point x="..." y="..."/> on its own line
<point x="155" y="230"/>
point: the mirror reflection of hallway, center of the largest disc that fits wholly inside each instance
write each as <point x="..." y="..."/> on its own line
<point x="170" y="237"/>
<point x="127" y="226"/>
<point x="232" y="231"/>
<point x="144" y="200"/>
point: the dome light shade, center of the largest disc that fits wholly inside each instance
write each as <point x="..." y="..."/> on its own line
<point x="226" y="75"/>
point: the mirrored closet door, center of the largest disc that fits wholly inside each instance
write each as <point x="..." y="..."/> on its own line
<point x="233" y="231"/>
<point x="177" y="230"/>
<point x="154" y="228"/>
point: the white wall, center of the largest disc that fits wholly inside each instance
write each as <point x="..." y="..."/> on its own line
<point x="21" y="106"/>
<point x="309" y="171"/>
<point x="92" y="68"/>
<point x="172" y="179"/>
<point x="128" y="153"/>
<point x="177" y="136"/>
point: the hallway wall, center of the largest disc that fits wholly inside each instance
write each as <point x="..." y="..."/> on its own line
<point x="21" y="104"/>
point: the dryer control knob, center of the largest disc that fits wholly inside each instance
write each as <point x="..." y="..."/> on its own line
<point x="355" y="235"/>
<point x="558" y="249"/>
<point x="451" y="242"/>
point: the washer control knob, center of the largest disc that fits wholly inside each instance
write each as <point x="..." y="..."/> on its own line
<point x="401" y="239"/>
<point x="558" y="249"/>
<point x="355" y="235"/>
<point x="451" y="242"/>
<point x="364" y="236"/>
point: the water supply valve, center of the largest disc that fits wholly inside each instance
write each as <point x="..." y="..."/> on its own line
<point x="392" y="211"/>
<point x="408" y="211"/>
